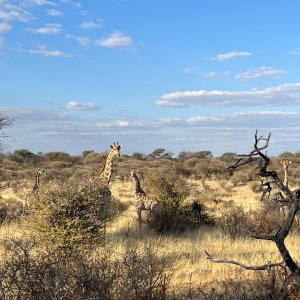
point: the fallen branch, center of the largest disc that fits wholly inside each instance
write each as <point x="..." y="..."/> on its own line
<point x="247" y="267"/>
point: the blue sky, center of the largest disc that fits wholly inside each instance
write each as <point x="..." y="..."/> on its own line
<point x="183" y="75"/>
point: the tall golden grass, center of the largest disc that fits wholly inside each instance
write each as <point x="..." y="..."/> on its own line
<point x="185" y="251"/>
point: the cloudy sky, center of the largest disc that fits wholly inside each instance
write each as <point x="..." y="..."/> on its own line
<point x="178" y="74"/>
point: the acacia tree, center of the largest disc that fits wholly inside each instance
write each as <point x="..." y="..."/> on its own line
<point x="291" y="201"/>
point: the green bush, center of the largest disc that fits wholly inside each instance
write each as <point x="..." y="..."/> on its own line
<point x="68" y="214"/>
<point x="171" y="190"/>
<point x="168" y="187"/>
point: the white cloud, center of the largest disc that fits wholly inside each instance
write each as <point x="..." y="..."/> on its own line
<point x="11" y="12"/>
<point x="190" y="70"/>
<point x="118" y="123"/>
<point x="230" y="55"/>
<point x="50" y="28"/>
<point x="213" y="74"/>
<point x="5" y="27"/>
<point x="91" y="24"/>
<point x="246" y="119"/>
<point x="116" y="40"/>
<point x="41" y="130"/>
<point x="39" y="2"/>
<point x="83" y="41"/>
<point x="167" y="120"/>
<point x="44" y="51"/>
<point x="282" y="94"/>
<point x="260" y="72"/>
<point x="82" y="106"/>
<point x="54" y="12"/>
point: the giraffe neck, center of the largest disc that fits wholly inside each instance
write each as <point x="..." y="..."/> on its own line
<point x="105" y="174"/>
<point x="286" y="180"/>
<point x="137" y="186"/>
<point x="37" y="178"/>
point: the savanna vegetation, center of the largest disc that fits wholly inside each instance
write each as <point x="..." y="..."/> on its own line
<point x="224" y="222"/>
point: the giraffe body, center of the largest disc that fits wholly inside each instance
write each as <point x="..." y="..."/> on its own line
<point x="142" y="201"/>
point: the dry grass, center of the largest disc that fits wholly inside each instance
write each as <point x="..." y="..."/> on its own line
<point x="185" y="251"/>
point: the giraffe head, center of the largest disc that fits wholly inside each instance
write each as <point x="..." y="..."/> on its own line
<point x="116" y="149"/>
<point x="133" y="173"/>
<point x="41" y="172"/>
<point x="285" y="163"/>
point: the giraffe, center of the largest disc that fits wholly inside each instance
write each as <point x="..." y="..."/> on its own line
<point x="285" y="163"/>
<point x="142" y="201"/>
<point x="37" y="179"/>
<point x="103" y="178"/>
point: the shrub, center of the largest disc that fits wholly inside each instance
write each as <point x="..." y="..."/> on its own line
<point x="68" y="214"/>
<point x="93" y="158"/>
<point x="171" y="190"/>
<point x="168" y="186"/>
<point x="10" y="210"/>
<point x="194" y="215"/>
<point x="143" y="274"/>
<point x="58" y="156"/>
<point x="234" y="221"/>
<point x="31" y="272"/>
<point x="267" y="219"/>
<point x="256" y="187"/>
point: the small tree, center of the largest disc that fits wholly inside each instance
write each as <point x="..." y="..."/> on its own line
<point x="157" y="153"/>
<point x="24" y="155"/>
<point x="138" y="155"/>
<point x="171" y="190"/>
<point x="202" y="154"/>
<point x="86" y="152"/>
<point x="184" y="155"/>
<point x="286" y="154"/>
<point x="228" y="157"/>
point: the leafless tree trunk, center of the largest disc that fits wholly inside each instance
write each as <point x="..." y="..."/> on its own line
<point x="292" y="198"/>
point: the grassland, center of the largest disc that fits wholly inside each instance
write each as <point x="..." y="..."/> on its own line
<point x="188" y="272"/>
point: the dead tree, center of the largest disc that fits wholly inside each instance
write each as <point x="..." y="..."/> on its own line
<point x="293" y="199"/>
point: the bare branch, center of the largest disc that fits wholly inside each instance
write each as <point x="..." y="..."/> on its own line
<point x="258" y="236"/>
<point x="247" y="267"/>
<point x="293" y="197"/>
